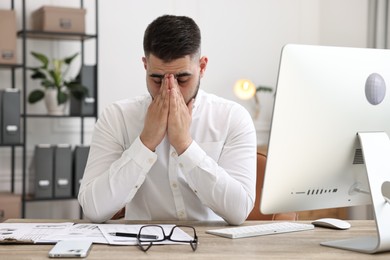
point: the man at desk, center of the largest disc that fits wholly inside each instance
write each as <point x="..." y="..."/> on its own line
<point x="178" y="153"/>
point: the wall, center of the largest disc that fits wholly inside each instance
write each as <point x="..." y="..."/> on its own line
<point x="242" y="39"/>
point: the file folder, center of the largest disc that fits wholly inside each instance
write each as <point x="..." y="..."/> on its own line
<point x="86" y="106"/>
<point x="44" y="160"/>
<point x="10" y="116"/>
<point x="63" y="171"/>
<point x="80" y="161"/>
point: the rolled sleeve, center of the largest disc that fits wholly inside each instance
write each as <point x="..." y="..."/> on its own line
<point x="191" y="158"/>
<point x="141" y="155"/>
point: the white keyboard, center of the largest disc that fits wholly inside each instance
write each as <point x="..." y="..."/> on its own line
<point x="261" y="230"/>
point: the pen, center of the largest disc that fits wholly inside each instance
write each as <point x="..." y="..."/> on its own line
<point x="121" y="234"/>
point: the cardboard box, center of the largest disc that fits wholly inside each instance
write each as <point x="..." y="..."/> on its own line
<point x="10" y="206"/>
<point x="7" y="37"/>
<point x="59" y="19"/>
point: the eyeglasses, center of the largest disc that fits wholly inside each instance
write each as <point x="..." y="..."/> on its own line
<point x="150" y="234"/>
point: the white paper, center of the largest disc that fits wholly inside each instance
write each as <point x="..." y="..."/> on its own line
<point x="30" y="232"/>
<point x="82" y="231"/>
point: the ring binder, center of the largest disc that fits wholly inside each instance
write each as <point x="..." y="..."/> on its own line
<point x="62" y="171"/>
<point x="10" y="116"/>
<point x="44" y="159"/>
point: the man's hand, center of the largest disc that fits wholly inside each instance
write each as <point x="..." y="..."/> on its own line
<point x="179" y="118"/>
<point x="156" y="120"/>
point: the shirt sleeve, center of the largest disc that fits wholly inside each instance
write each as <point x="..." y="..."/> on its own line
<point x="228" y="185"/>
<point x="105" y="185"/>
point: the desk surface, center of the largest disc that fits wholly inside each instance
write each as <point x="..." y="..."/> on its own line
<point x="298" y="245"/>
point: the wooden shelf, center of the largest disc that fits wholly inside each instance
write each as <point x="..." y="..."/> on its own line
<point x="10" y="145"/>
<point x="56" y="116"/>
<point x="42" y="35"/>
<point x="31" y="198"/>
<point x="10" y="66"/>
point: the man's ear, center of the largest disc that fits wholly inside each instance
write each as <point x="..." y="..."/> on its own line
<point x="144" y="60"/>
<point x="203" y="64"/>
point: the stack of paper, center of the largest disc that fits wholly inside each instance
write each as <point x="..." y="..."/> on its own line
<point x="50" y="233"/>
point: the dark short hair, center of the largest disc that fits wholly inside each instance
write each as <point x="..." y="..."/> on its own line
<point x="170" y="37"/>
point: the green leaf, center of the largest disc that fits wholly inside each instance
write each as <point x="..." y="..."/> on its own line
<point x="56" y="78"/>
<point x="38" y="74"/>
<point x="42" y="58"/>
<point x="58" y="66"/>
<point x="263" y="88"/>
<point x="79" y="93"/>
<point x="47" y="83"/>
<point x="69" y="59"/>
<point x="35" y="96"/>
<point x="62" y="97"/>
<point x="77" y="90"/>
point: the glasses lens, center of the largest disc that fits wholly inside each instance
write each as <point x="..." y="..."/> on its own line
<point x="151" y="233"/>
<point x="183" y="234"/>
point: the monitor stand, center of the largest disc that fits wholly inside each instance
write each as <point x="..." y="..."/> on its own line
<point x="376" y="152"/>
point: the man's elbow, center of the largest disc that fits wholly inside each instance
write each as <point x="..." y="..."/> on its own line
<point x="239" y="216"/>
<point x="236" y="219"/>
<point x="89" y="212"/>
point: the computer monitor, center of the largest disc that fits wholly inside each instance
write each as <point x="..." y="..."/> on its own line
<point x="329" y="144"/>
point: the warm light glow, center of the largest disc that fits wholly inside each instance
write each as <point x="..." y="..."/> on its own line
<point x="244" y="89"/>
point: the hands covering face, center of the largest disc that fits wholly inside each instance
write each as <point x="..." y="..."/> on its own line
<point x="168" y="114"/>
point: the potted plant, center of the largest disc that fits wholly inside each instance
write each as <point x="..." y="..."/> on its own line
<point x="53" y="79"/>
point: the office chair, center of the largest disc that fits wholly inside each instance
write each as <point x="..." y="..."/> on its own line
<point x="255" y="213"/>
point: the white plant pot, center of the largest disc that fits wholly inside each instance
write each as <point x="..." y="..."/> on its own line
<point x="52" y="106"/>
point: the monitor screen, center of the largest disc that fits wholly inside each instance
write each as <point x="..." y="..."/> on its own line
<point x="325" y="96"/>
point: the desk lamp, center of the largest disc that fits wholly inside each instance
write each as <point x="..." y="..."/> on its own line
<point x="245" y="89"/>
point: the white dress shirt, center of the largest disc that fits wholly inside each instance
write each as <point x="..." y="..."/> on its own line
<point x="214" y="179"/>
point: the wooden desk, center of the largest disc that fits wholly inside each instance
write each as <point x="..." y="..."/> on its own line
<point x="299" y="245"/>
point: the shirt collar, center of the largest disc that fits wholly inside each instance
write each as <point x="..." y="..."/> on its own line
<point x="198" y="100"/>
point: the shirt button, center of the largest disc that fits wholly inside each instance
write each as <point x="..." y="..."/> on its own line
<point x="173" y="154"/>
<point x="151" y="160"/>
<point x="181" y="165"/>
<point x="181" y="213"/>
<point x="174" y="185"/>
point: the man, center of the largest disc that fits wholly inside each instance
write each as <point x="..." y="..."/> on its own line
<point x="178" y="153"/>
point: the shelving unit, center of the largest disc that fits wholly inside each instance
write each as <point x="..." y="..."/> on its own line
<point x="26" y="35"/>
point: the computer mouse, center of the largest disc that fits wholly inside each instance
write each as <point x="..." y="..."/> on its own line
<point x="331" y="223"/>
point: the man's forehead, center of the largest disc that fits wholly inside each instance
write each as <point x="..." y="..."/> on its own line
<point x="180" y="65"/>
